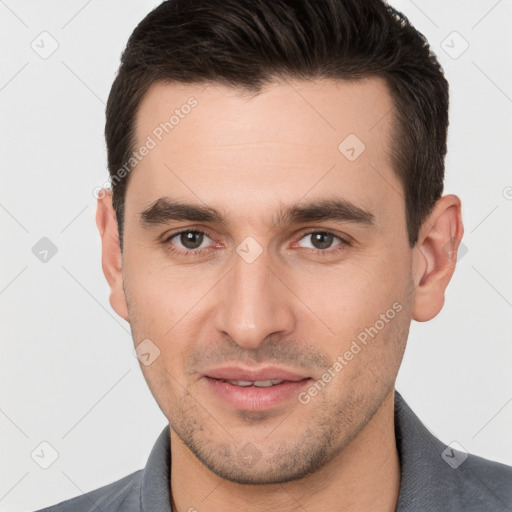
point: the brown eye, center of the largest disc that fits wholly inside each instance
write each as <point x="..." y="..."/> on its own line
<point x="187" y="241"/>
<point x="191" y="239"/>
<point x="322" y="240"/>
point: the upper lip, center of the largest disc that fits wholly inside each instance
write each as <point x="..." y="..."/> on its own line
<point x="267" y="373"/>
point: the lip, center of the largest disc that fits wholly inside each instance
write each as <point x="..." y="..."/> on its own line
<point x="267" y="373"/>
<point x="253" y="398"/>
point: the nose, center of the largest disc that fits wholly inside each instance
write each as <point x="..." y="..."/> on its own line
<point x="254" y="302"/>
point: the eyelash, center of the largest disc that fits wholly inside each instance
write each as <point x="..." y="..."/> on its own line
<point x="194" y="252"/>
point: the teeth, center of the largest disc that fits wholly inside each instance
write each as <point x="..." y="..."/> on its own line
<point x="266" y="383"/>
<point x="258" y="383"/>
<point x="243" y="383"/>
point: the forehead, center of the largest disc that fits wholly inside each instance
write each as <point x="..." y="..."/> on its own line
<point x="214" y="145"/>
<point x="220" y="115"/>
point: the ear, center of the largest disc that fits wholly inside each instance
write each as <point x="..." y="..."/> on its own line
<point x="111" y="258"/>
<point x="435" y="256"/>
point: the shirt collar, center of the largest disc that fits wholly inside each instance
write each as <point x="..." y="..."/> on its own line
<point x="156" y="477"/>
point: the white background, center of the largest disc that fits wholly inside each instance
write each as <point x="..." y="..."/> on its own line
<point x="68" y="374"/>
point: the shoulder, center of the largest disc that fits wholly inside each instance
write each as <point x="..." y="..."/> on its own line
<point x="440" y="477"/>
<point x="485" y="482"/>
<point x="123" y="494"/>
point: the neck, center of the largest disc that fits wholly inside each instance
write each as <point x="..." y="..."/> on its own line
<point x="364" y="476"/>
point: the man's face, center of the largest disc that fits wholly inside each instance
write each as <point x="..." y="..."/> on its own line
<point x="262" y="290"/>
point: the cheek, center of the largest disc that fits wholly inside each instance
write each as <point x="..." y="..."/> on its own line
<point x="166" y="384"/>
<point x="352" y="296"/>
<point x="159" y="295"/>
<point x="166" y="308"/>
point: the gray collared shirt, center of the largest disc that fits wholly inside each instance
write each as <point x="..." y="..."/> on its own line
<point x="435" y="477"/>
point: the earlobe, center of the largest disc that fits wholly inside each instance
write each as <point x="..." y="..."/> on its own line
<point x="435" y="257"/>
<point x="111" y="258"/>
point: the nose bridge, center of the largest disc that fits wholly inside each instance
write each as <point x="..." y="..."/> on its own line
<point x="254" y="303"/>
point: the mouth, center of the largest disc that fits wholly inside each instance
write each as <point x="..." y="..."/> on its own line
<point x="254" y="390"/>
<point x="257" y="383"/>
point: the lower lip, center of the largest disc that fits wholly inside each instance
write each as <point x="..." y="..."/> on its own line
<point x="252" y="398"/>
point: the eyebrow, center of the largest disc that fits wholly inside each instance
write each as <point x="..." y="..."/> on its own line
<point x="165" y="210"/>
